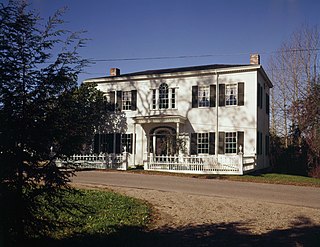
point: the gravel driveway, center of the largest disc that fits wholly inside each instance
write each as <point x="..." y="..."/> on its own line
<point x="194" y="220"/>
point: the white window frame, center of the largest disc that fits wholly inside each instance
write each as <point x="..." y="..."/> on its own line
<point x="231" y="95"/>
<point x="126" y="100"/>
<point x="168" y="100"/>
<point x="230" y="142"/>
<point x="203" y="143"/>
<point x="204" y="96"/>
<point x="126" y="141"/>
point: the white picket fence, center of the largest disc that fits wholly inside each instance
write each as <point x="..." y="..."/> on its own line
<point x="224" y="164"/>
<point x="96" y="161"/>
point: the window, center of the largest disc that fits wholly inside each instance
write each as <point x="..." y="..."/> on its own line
<point x="173" y="98"/>
<point x="163" y="96"/>
<point x="203" y="96"/>
<point x="230" y="142"/>
<point x="267" y="103"/>
<point x="259" y="143"/>
<point x="154" y="99"/>
<point x="126" y="100"/>
<point x="203" y="143"/>
<point x="123" y="100"/>
<point x="231" y="94"/>
<point x="126" y="141"/>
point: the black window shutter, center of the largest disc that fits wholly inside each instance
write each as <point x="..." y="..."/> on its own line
<point x="193" y="144"/>
<point x="96" y="144"/>
<point x="241" y="93"/>
<point x="119" y="100"/>
<point x="212" y="95"/>
<point x="221" y="143"/>
<point x="108" y="143"/>
<point x="240" y="141"/>
<point x="212" y="141"/>
<point x="194" y="96"/>
<point x="261" y="97"/>
<point x="118" y="143"/>
<point x="222" y="96"/>
<point x="267" y="103"/>
<point x="113" y="100"/>
<point x="133" y="100"/>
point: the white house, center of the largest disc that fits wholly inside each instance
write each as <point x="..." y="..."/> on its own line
<point x="202" y="119"/>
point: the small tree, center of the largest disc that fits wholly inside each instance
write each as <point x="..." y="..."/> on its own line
<point x="294" y="72"/>
<point x="43" y="115"/>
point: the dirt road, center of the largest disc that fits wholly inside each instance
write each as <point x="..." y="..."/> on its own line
<point x="231" y="214"/>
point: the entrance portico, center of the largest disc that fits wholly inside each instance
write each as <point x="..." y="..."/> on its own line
<point x="161" y="131"/>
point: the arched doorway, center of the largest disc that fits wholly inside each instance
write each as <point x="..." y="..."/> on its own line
<point x="163" y="141"/>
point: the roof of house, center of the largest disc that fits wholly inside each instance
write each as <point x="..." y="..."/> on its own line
<point x="178" y="70"/>
<point x="181" y="69"/>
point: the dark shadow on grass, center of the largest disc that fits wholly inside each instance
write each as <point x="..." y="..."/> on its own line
<point x="302" y="233"/>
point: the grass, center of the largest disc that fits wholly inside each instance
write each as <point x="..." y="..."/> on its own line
<point x="99" y="213"/>
<point x="271" y="178"/>
<point x="277" y="178"/>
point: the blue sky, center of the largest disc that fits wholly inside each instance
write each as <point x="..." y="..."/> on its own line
<point x="228" y="29"/>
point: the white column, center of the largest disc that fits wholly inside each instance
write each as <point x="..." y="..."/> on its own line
<point x="154" y="144"/>
<point x="134" y="144"/>
<point x="157" y="99"/>
<point x="217" y="117"/>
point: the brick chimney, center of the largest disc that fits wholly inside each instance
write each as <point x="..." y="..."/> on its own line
<point x="254" y="59"/>
<point x="114" y="71"/>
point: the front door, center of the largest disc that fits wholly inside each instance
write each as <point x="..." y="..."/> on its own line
<point x="163" y="142"/>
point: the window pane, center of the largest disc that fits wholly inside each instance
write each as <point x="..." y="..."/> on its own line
<point x="231" y="142"/>
<point x="231" y="94"/>
<point x="173" y="98"/>
<point x="154" y="99"/>
<point x="126" y="141"/>
<point x="203" y="143"/>
<point x="203" y="96"/>
<point x="163" y="96"/>
<point x="126" y="100"/>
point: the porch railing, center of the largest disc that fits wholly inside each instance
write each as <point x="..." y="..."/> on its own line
<point x="96" y="161"/>
<point x="223" y="164"/>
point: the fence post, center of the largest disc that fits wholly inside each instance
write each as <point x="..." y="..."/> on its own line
<point x="125" y="159"/>
<point x="240" y="160"/>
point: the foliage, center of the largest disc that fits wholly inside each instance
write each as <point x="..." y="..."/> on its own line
<point x="295" y="101"/>
<point x="43" y="112"/>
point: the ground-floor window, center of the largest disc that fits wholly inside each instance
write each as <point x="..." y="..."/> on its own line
<point x="230" y="142"/>
<point x="126" y="141"/>
<point x="203" y="143"/>
<point x="113" y="143"/>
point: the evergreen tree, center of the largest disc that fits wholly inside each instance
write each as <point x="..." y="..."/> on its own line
<point x="43" y="115"/>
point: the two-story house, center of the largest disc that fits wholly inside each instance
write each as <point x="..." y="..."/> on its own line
<point x="181" y="117"/>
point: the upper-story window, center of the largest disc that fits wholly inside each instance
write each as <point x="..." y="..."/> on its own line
<point x="126" y="100"/>
<point x="123" y="100"/>
<point x="164" y="97"/>
<point x="203" y="96"/>
<point x="231" y="94"/>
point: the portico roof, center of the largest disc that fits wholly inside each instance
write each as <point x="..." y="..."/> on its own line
<point x="160" y="119"/>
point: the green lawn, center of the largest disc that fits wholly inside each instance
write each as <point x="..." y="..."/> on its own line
<point x="272" y="178"/>
<point x="276" y="178"/>
<point x="100" y="214"/>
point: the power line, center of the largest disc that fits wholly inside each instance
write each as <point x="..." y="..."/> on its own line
<point x="195" y="56"/>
